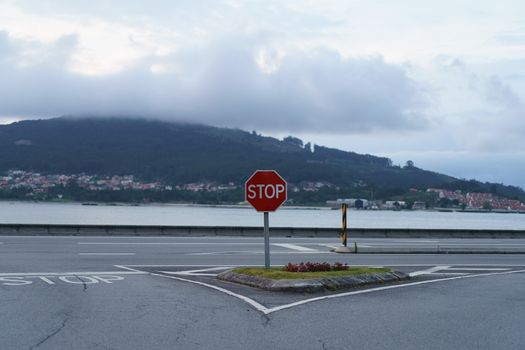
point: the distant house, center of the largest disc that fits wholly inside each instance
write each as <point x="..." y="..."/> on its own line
<point x="361" y="203"/>
<point x="358" y="203"/>
<point x="419" y="205"/>
<point x="395" y="205"/>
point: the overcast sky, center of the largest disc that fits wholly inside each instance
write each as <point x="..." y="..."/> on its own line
<point x="440" y="83"/>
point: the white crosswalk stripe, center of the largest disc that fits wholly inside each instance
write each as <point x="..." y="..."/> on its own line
<point x="295" y="247"/>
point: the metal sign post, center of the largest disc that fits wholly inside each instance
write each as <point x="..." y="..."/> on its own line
<point x="266" y="240"/>
<point x="265" y="190"/>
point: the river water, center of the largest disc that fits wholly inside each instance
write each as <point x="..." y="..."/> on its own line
<point x="75" y="213"/>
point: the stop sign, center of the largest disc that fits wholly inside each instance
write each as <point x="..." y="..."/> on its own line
<point x="265" y="190"/>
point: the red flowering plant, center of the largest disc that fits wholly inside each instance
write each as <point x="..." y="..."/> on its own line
<point x="314" y="267"/>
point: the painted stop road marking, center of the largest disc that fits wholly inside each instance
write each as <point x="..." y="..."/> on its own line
<point x="54" y="280"/>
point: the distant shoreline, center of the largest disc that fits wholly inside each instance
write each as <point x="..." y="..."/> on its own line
<point x="246" y="206"/>
<point x="159" y="204"/>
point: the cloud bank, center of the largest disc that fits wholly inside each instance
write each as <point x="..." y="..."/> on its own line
<point x="379" y="78"/>
<point x="233" y="82"/>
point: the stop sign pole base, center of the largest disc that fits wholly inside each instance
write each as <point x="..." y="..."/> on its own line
<point x="343" y="250"/>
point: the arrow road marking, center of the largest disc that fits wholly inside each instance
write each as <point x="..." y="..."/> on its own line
<point x="428" y="271"/>
<point x="434" y="270"/>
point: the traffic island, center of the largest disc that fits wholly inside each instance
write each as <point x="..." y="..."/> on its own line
<point x="277" y="280"/>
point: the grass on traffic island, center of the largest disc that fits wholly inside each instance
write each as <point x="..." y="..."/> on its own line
<point x="301" y="271"/>
<point x="311" y="277"/>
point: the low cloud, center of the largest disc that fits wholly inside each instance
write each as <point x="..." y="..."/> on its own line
<point x="235" y="82"/>
<point x="480" y="106"/>
<point x="502" y="94"/>
<point x="470" y="165"/>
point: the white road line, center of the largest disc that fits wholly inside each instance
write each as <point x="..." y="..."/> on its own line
<point x="189" y="274"/>
<point x="446" y="245"/>
<point x="81" y="273"/>
<point x="43" y="237"/>
<point x="413" y="241"/>
<point x="449" y="273"/>
<point x="400" y="265"/>
<point x="126" y="268"/>
<point x="247" y="300"/>
<point x="331" y="246"/>
<point x="386" y="244"/>
<point x="294" y="247"/>
<point x="297" y="252"/>
<point x="335" y="246"/>
<point x="475" y="269"/>
<point x="216" y="268"/>
<point x="287" y="306"/>
<point x="168" y="243"/>
<point x="428" y="271"/>
<point x="106" y="253"/>
<point x="367" y="265"/>
<point x="169" y="237"/>
<point x="247" y="252"/>
<point x="199" y="271"/>
<point x="430" y="255"/>
<point x="187" y="265"/>
<point x="268" y="311"/>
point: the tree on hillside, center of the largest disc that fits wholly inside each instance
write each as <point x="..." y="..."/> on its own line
<point x="293" y="141"/>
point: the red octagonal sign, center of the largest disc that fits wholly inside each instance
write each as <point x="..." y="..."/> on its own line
<point x="265" y="190"/>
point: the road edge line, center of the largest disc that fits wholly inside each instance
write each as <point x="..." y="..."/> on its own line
<point x="378" y="289"/>
<point x="251" y="302"/>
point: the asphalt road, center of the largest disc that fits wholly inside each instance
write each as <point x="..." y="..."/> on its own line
<point x="160" y="293"/>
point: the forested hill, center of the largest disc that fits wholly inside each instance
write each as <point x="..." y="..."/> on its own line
<point x="177" y="153"/>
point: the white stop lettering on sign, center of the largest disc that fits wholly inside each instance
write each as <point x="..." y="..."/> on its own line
<point x="265" y="191"/>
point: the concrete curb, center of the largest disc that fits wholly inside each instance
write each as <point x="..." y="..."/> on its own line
<point x="313" y="285"/>
<point x="245" y="231"/>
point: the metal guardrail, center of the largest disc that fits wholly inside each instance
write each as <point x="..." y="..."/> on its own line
<point x="249" y="231"/>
